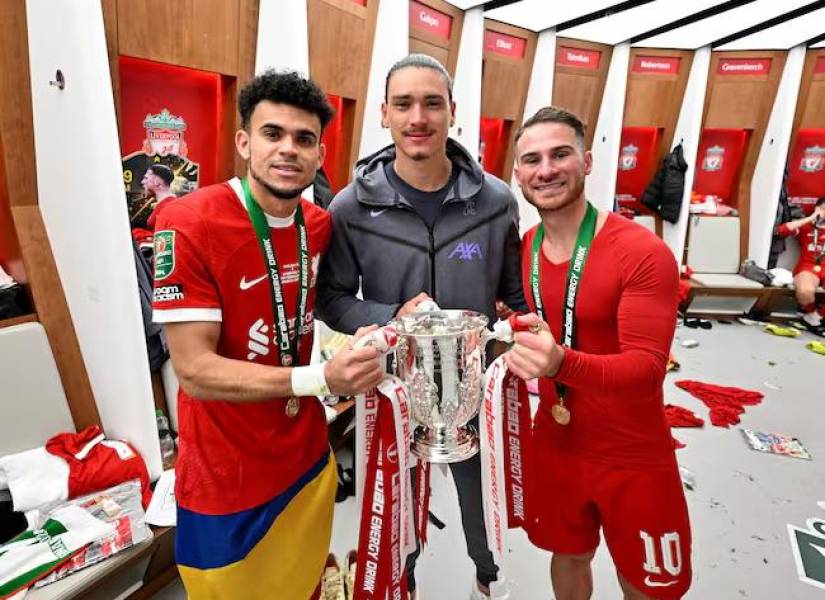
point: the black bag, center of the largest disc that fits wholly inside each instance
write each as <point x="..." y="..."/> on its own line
<point x="13" y="302"/>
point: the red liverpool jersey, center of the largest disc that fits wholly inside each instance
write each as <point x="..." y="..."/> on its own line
<point x="209" y="267"/>
<point x="625" y="320"/>
<point x="811" y="244"/>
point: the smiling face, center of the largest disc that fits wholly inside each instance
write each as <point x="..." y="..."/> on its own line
<point x="283" y="147"/>
<point x="418" y="112"/>
<point x="551" y="165"/>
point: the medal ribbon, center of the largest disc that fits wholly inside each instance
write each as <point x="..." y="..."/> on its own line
<point x="584" y="239"/>
<point x="287" y="345"/>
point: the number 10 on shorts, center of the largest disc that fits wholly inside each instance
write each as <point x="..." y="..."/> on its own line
<point x="671" y="553"/>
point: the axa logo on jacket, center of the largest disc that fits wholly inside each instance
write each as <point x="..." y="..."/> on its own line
<point x="466" y="251"/>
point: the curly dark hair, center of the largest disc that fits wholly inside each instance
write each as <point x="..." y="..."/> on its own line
<point x="284" y="87"/>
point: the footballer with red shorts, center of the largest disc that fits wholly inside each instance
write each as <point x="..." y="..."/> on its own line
<point x="808" y="274"/>
<point x="604" y="291"/>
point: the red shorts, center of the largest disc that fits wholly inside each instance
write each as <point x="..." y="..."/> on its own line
<point x="809" y="266"/>
<point x="643" y="514"/>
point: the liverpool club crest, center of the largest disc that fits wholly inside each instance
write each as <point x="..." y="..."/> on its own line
<point x="164" y="144"/>
<point x="714" y="157"/>
<point x="164" y="134"/>
<point x="813" y="159"/>
<point x="628" y="157"/>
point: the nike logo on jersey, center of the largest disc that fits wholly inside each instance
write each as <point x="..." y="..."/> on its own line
<point x="650" y="583"/>
<point x="245" y="285"/>
<point x="375" y="213"/>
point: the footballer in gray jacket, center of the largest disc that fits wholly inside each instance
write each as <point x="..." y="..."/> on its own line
<point x="468" y="259"/>
<point x="422" y="220"/>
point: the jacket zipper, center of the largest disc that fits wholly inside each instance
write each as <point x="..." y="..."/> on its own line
<point x="430" y="250"/>
<point x="432" y="261"/>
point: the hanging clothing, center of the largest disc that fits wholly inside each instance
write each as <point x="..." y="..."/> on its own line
<point x="155" y="338"/>
<point x="664" y="193"/>
<point x="783" y="215"/>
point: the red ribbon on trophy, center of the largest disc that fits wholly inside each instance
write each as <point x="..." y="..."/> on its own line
<point x="380" y="572"/>
<point x="422" y="499"/>
<point x="387" y="533"/>
<point x="506" y="433"/>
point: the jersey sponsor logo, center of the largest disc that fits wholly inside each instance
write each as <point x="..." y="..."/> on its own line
<point x="376" y="213"/>
<point x="168" y="293"/>
<point x="164" y="253"/>
<point x="466" y="251"/>
<point x="258" y="343"/>
<point x="248" y="283"/>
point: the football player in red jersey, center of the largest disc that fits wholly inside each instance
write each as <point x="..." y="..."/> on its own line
<point x="235" y="271"/>
<point x="808" y="274"/>
<point x="604" y="291"/>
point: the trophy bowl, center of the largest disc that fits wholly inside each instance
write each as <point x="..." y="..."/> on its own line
<point x="440" y="356"/>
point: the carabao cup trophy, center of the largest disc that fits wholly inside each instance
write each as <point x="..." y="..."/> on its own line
<point x="440" y="356"/>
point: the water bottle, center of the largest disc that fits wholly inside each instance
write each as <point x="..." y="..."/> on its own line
<point x="167" y="444"/>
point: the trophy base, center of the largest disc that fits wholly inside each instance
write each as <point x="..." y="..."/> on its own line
<point x="434" y="446"/>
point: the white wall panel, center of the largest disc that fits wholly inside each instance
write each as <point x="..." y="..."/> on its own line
<point x="392" y="43"/>
<point x="600" y="186"/>
<point x="539" y="94"/>
<point x="283" y="36"/>
<point x="688" y="131"/>
<point x="81" y="197"/>
<point x="770" y="165"/>
<point x="467" y="85"/>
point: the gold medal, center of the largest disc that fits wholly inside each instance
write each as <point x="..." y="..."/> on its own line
<point x="293" y="405"/>
<point x="561" y="414"/>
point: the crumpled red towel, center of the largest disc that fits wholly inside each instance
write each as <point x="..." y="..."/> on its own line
<point x="725" y="403"/>
<point x="679" y="416"/>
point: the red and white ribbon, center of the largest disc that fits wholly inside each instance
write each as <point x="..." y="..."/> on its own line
<point x="505" y="431"/>
<point x="385" y="495"/>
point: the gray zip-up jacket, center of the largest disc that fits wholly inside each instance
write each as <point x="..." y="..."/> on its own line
<point x="470" y="257"/>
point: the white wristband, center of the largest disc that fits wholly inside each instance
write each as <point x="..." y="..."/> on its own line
<point x="309" y="381"/>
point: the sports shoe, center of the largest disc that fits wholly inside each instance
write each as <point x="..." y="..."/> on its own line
<point x="349" y="573"/>
<point x="815" y="329"/>
<point x="332" y="581"/>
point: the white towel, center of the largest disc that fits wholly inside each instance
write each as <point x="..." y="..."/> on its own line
<point x="35" y="478"/>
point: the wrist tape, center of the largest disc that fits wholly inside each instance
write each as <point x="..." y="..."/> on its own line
<point x="309" y="381"/>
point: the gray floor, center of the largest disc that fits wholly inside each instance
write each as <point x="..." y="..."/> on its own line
<point x="743" y="499"/>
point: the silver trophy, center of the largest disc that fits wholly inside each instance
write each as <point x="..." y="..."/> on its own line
<point x="440" y="356"/>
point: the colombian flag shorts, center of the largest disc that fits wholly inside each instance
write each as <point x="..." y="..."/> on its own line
<point x="275" y="550"/>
